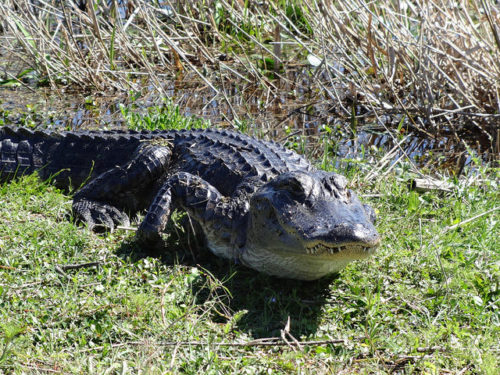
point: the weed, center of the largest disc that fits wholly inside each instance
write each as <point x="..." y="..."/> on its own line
<point x="164" y="117"/>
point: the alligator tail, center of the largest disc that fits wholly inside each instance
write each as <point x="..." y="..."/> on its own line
<point x="68" y="158"/>
<point x="18" y="155"/>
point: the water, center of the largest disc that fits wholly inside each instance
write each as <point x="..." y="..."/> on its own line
<point x="296" y="112"/>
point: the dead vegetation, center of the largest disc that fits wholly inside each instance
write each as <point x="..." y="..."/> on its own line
<point x="429" y="66"/>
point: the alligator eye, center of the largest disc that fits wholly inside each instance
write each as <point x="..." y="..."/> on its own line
<point x="292" y="186"/>
<point x="337" y="180"/>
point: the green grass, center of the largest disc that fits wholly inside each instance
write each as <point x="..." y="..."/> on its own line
<point x="162" y="117"/>
<point x="426" y="302"/>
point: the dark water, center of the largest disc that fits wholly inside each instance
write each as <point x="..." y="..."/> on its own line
<point x="283" y="119"/>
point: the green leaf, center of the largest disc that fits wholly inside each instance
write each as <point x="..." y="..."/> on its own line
<point x="10" y="83"/>
<point x="413" y="202"/>
<point x="27" y="35"/>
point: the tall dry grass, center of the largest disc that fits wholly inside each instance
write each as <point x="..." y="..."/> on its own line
<point x="436" y="63"/>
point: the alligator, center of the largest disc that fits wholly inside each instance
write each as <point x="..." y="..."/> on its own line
<point x="257" y="203"/>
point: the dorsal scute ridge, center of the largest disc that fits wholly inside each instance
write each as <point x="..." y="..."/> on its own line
<point x="237" y="152"/>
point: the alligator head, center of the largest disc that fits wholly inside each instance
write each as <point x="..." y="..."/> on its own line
<point x="307" y="225"/>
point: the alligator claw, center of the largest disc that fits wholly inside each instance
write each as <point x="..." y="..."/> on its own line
<point x="149" y="237"/>
<point x="99" y="216"/>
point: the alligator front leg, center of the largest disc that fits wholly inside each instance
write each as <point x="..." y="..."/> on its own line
<point x="184" y="190"/>
<point x="104" y="201"/>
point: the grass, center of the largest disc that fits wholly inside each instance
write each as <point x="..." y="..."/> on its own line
<point x="163" y="117"/>
<point x="427" y="302"/>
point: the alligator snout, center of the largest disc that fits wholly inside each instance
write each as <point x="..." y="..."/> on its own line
<point x="364" y="235"/>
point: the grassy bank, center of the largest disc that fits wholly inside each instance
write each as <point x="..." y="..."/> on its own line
<point x="75" y="302"/>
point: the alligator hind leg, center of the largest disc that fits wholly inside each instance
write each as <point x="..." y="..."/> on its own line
<point x="183" y="190"/>
<point x="104" y="201"/>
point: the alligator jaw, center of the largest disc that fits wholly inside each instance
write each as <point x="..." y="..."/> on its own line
<point x="301" y="266"/>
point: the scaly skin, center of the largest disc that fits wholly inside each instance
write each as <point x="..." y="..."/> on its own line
<point x="256" y="202"/>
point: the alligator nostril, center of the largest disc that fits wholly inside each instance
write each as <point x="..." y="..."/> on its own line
<point x="362" y="234"/>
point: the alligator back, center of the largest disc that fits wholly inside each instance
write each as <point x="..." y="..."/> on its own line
<point x="221" y="157"/>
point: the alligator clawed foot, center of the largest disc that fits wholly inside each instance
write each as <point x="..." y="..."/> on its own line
<point x="150" y="240"/>
<point x="98" y="216"/>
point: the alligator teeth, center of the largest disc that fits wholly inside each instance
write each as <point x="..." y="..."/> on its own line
<point x="322" y="248"/>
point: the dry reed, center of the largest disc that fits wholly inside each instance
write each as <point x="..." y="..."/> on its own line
<point x="435" y="63"/>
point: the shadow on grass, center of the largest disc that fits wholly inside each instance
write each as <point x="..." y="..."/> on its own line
<point x="268" y="301"/>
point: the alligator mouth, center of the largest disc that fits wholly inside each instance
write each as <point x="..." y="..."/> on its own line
<point x="324" y="249"/>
